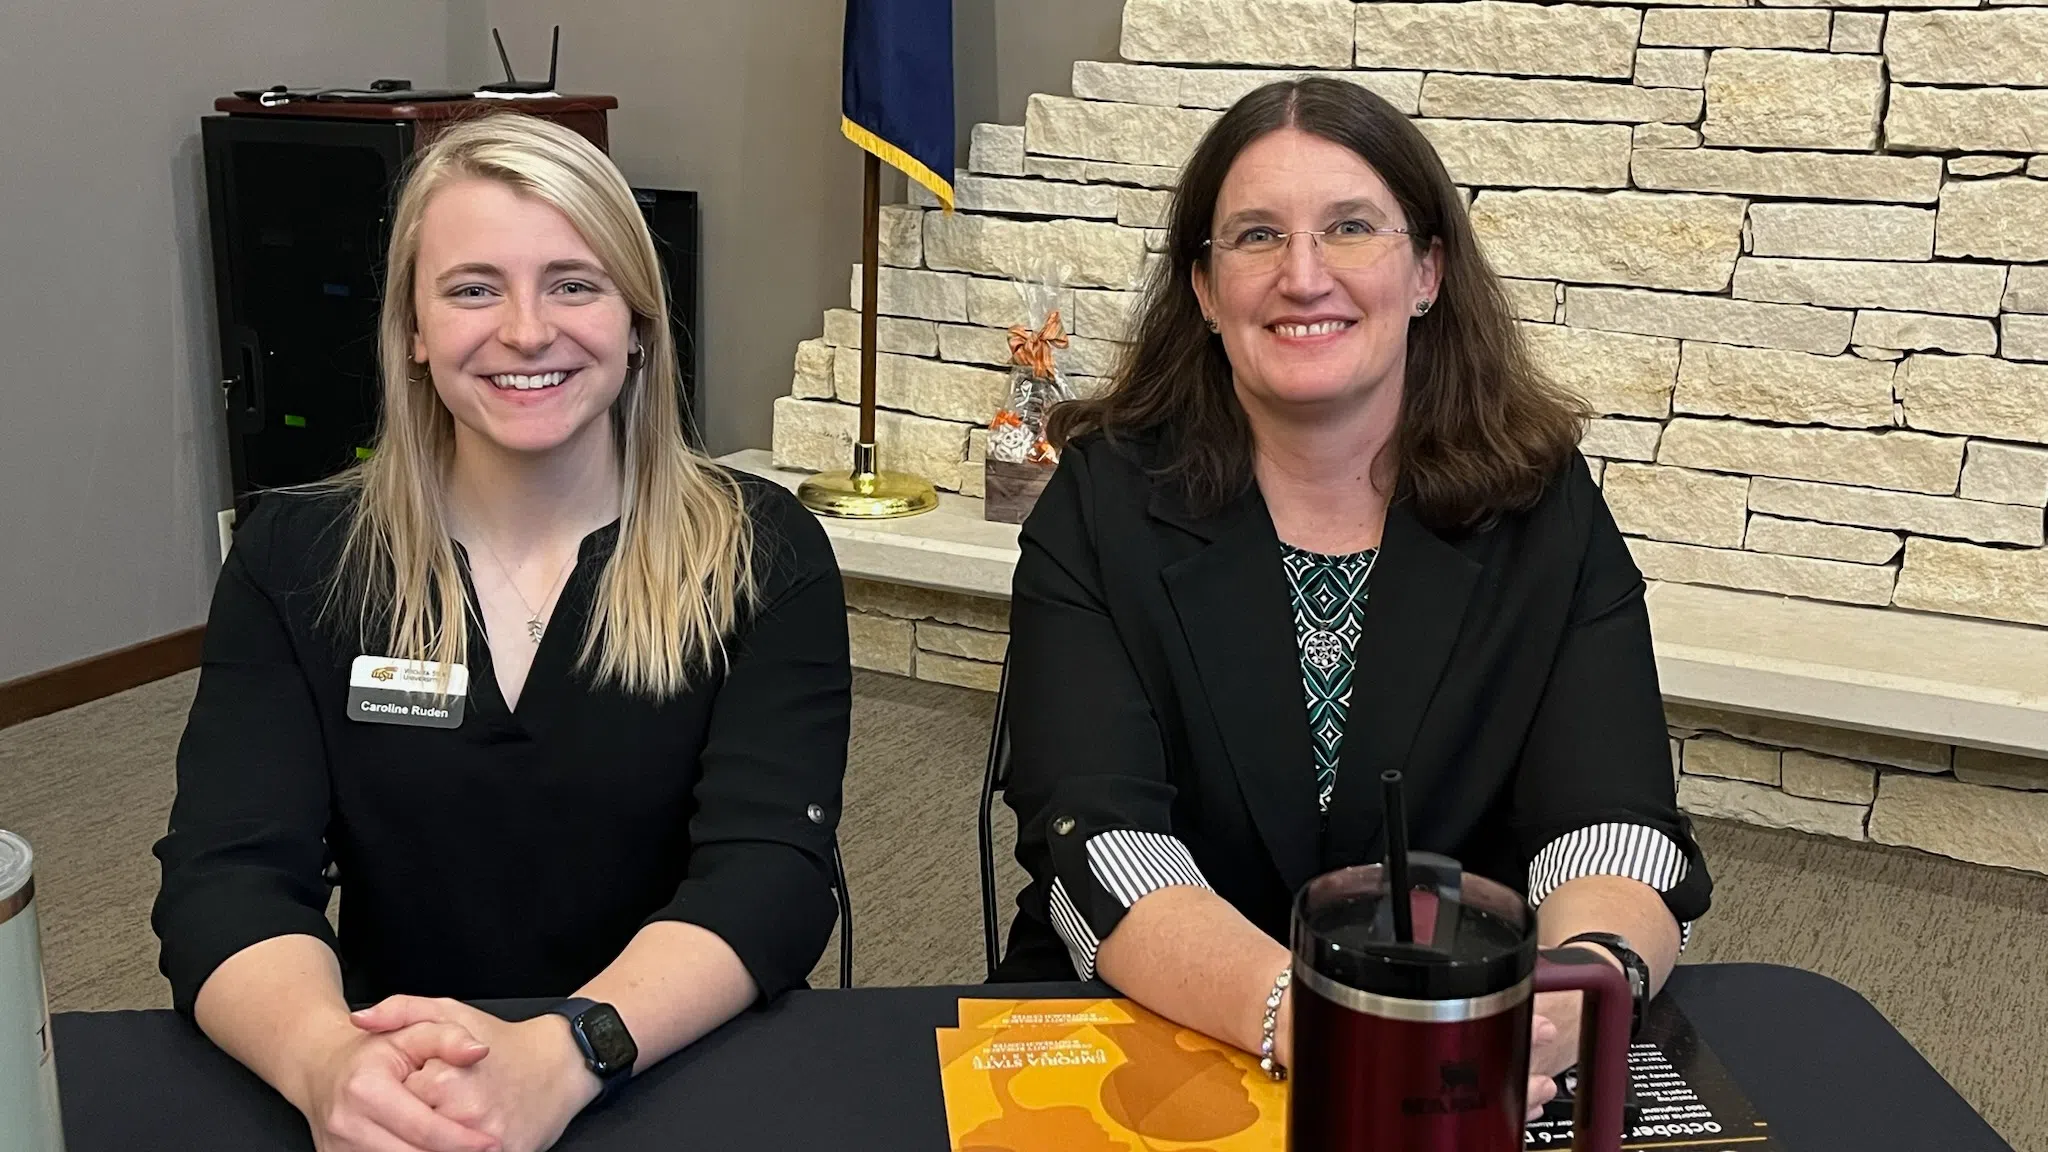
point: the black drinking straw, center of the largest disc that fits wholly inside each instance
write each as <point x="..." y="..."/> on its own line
<point x="1397" y="855"/>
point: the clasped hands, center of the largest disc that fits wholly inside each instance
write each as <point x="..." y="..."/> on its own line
<point x="423" y="1075"/>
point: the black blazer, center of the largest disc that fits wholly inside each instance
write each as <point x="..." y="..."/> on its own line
<point x="1155" y="685"/>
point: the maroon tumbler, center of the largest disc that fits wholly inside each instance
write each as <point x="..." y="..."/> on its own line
<point x="1423" y="1045"/>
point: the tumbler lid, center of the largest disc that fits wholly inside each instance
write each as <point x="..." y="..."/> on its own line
<point x="17" y="874"/>
<point x="1473" y="937"/>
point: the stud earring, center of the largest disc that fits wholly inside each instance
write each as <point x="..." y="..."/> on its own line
<point x="1213" y="325"/>
<point x="1422" y="307"/>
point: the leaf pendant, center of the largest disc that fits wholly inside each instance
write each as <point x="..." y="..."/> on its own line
<point x="534" y="628"/>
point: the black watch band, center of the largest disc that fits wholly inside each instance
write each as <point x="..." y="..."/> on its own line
<point x="608" y="1048"/>
<point x="1637" y="969"/>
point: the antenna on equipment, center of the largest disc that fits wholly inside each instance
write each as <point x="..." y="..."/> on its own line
<point x="513" y="85"/>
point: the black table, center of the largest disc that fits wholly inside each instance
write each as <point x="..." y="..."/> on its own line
<point x="856" y="1072"/>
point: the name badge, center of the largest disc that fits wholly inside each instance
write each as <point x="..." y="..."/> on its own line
<point x="382" y="690"/>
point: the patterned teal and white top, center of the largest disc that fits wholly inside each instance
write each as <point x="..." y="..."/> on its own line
<point x="1329" y="611"/>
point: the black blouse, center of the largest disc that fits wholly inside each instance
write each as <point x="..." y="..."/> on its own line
<point x="516" y="854"/>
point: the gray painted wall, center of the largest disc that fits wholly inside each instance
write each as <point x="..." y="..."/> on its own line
<point x="111" y="457"/>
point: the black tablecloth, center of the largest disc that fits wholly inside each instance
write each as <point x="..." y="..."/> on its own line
<point x="856" y="1072"/>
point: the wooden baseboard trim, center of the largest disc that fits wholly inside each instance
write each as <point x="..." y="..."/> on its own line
<point x="96" y="676"/>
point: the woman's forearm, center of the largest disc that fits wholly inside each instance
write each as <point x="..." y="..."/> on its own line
<point x="673" y="983"/>
<point x="1186" y="954"/>
<point x="277" y="1007"/>
<point x="1628" y="908"/>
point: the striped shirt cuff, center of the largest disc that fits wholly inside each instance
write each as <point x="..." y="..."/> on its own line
<point x="1130" y="865"/>
<point x="1636" y="851"/>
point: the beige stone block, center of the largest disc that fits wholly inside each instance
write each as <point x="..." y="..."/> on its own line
<point x="996" y="149"/>
<point x="1976" y="395"/>
<point x="1858" y="32"/>
<point x="1487" y="36"/>
<point x="943" y="669"/>
<point x="1976" y="167"/>
<point x="1765" y="98"/>
<point x="1142" y="208"/>
<point x="1118" y="133"/>
<point x="974" y="477"/>
<point x="1923" y="515"/>
<point x="1614" y="373"/>
<point x="966" y="643"/>
<point x="924" y="295"/>
<point x="1001" y="303"/>
<point x="1828" y="778"/>
<point x="1135" y="175"/>
<point x="1995" y="826"/>
<point x="906" y="602"/>
<point x="1677" y="504"/>
<point x="1961" y="289"/>
<point x="1842" y="231"/>
<point x="2025" y="338"/>
<point x="2026" y="289"/>
<point x="1783" y="387"/>
<point x="1621" y="439"/>
<point x="1794" y="175"/>
<point x="1870" y="353"/>
<point x="1969" y="580"/>
<point x="1304" y="33"/>
<point x="1666" y="136"/>
<point x="1873" y="3"/>
<point x="925" y="387"/>
<point x="1712" y="318"/>
<point x="1996" y="219"/>
<point x="971" y="344"/>
<point x="1731" y="760"/>
<point x="1451" y="95"/>
<point x="1763" y="572"/>
<point x="813" y="379"/>
<point x="1947" y="119"/>
<point x="1849" y="744"/>
<point x="818" y="436"/>
<point x="892" y="333"/>
<point x="1671" y="67"/>
<point x="1058" y="168"/>
<point x="1127" y="83"/>
<point x="1768" y="807"/>
<point x="1532" y="299"/>
<point x="1901" y="461"/>
<point x="2001" y="770"/>
<point x="1689" y="243"/>
<point x="880" y="644"/>
<point x="1918" y="331"/>
<point x="1596" y="468"/>
<point x="1033" y="197"/>
<point x="1738" y="28"/>
<point x="1105" y="315"/>
<point x="1821" y="541"/>
<point x="1221" y="87"/>
<point x="1968" y="48"/>
<point x="901" y="228"/>
<point x="2006" y="474"/>
<point x="1520" y="153"/>
<point x="1091" y="254"/>
<point x="2038" y="167"/>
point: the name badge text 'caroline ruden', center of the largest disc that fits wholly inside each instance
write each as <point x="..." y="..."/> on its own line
<point x="417" y="693"/>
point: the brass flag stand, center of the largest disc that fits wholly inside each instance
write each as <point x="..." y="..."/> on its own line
<point x="867" y="493"/>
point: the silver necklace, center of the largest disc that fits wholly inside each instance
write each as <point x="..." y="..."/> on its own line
<point x="534" y="627"/>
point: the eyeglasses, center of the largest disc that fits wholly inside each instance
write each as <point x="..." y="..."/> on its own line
<point x="1351" y="244"/>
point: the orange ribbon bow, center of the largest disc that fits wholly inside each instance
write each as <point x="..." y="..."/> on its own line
<point x="1034" y="349"/>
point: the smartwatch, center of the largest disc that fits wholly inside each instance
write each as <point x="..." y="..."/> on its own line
<point x="608" y="1049"/>
<point x="1637" y="969"/>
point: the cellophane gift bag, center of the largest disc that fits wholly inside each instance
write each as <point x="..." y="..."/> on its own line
<point x="1020" y="458"/>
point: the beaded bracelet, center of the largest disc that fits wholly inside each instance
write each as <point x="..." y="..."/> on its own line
<point x="1267" y="1061"/>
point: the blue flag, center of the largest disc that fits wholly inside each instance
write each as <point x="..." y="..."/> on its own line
<point x="896" y="87"/>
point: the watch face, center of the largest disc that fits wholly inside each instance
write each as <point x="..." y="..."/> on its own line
<point x="610" y="1044"/>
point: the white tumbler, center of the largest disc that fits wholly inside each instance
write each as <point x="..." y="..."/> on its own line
<point x="29" y="1120"/>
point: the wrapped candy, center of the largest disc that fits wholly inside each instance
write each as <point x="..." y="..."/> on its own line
<point x="1020" y="457"/>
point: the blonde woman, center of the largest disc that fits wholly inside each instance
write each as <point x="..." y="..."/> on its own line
<point x="563" y="704"/>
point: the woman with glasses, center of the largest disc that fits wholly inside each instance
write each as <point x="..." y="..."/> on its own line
<point x="1328" y="520"/>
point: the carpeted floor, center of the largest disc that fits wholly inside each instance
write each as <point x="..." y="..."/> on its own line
<point x="1952" y="954"/>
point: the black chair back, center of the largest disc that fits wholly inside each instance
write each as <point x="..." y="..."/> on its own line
<point x="845" y="917"/>
<point x="993" y="781"/>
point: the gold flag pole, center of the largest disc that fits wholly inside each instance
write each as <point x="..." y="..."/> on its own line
<point x="866" y="493"/>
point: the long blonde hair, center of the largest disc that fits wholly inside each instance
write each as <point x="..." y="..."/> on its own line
<point x="682" y="572"/>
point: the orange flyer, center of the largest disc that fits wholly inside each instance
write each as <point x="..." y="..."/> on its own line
<point x="1100" y="1076"/>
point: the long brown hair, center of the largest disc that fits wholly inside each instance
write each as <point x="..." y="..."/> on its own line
<point x="1481" y="432"/>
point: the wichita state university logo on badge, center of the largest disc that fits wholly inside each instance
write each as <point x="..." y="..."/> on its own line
<point x="386" y="691"/>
